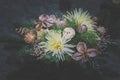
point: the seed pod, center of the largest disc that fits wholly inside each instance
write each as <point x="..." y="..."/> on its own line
<point x="82" y="28"/>
<point x="22" y="31"/>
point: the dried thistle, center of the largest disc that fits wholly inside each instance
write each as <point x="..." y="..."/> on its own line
<point x="30" y="37"/>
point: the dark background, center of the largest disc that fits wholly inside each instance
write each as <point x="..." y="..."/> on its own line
<point x="15" y="67"/>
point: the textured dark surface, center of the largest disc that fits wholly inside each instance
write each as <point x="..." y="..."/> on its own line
<point x="15" y="67"/>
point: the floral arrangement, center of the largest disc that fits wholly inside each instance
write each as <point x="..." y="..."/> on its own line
<point x="77" y="36"/>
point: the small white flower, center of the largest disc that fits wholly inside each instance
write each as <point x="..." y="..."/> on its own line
<point x="68" y="33"/>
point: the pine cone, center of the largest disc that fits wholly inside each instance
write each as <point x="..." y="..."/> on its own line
<point x="39" y="51"/>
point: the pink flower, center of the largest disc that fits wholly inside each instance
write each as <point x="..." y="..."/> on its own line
<point x="77" y="56"/>
<point x="61" y="23"/>
<point x="45" y="21"/>
<point x="83" y="53"/>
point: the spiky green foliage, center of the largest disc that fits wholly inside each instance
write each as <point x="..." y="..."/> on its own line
<point x="79" y="17"/>
<point x="90" y="37"/>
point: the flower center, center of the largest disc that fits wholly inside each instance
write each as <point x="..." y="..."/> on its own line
<point x="57" y="45"/>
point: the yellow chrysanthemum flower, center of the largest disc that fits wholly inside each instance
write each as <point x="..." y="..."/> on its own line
<point x="57" y="45"/>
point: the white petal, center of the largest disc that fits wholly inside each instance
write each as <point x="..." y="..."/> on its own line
<point x="69" y="45"/>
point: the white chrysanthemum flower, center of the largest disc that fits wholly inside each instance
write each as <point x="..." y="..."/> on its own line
<point x="80" y="18"/>
<point x="57" y="45"/>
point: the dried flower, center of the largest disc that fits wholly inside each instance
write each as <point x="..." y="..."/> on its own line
<point x="83" y="53"/>
<point x="77" y="56"/>
<point x="60" y="23"/>
<point x="45" y="21"/>
<point x="30" y="37"/>
<point x="95" y="20"/>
